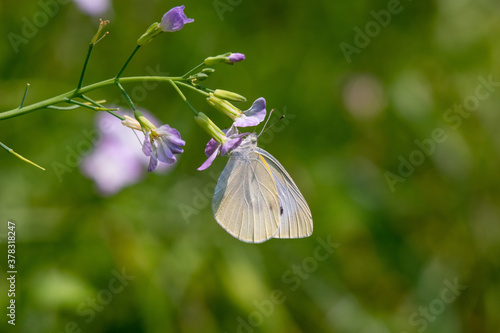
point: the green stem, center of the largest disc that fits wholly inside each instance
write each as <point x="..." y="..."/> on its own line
<point x="192" y="70"/>
<point x="101" y="107"/>
<point x="126" y="63"/>
<point x="127" y="97"/>
<point x="192" y="108"/>
<point x="10" y="150"/>
<point x="90" y="100"/>
<point x="25" y="93"/>
<point x="91" y="106"/>
<point x="70" y="94"/>
<point x="63" y="108"/>
<point x="83" y="105"/>
<point x="80" y="82"/>
<point x="183" y="97"/>
<point x="178" y="90"/>
<point x="193" y="88"/>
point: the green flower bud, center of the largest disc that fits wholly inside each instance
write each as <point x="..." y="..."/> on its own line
<point x="229" y="95"/>
<point x="200" y="76"/>
<point x="208" y="125"/>
<point x="220" y="59"/>
<point x="226" y="58"/>
<point x="151" y="33"/>
<point x="146" y="125"/>
<point x="208" y="71"/>
<point x="223" y="106"/>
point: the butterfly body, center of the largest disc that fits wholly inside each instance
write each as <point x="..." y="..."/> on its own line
<point x="256" y="199"/>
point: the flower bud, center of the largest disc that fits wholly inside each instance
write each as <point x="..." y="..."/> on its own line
<point x="131" y="123"/>
<point x="208" y="125"/>
<point x="151" y="33"/>
<point x="174" y="19"/>
<point x="236" y="57"/>
<point x="226" y="58"/>
<point x="229" y="95"/>
<point x="200" y="76"/>
<point x="146" y="125"/>
<point x="224" y="106"/>
<point x="208" y="71"/>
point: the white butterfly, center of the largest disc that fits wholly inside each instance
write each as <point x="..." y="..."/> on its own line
<point x="256" y="199"/>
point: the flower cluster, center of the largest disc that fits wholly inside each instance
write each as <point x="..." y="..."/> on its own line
<point x="113" y="164"/>
<point x="162" y="144"/>
<point x="231" y="138"/>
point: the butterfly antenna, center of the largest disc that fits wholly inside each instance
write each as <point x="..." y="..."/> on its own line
<point x="265" y="124"/>
<point x="264" y="131"/>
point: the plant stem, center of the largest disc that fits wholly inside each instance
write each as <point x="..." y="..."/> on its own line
<point x="102" y="107"/>
<point x="73" y="93"/>
<point x="63" y="108"/>
<point x="126" y="63"/>
<point x="178" y="90"/>
<point x="192" y="70"/>
<point x="83" y="105"/>
<point x="127" y="97"/>
<point x="193" y="88"/>
<point x="183" y="97"/>
<point x="80" y="82"/>
<point x="10" y="150"/>
<point x="25" y="93"/>
<point x="91" y="101"/>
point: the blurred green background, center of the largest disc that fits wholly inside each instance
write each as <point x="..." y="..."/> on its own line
<point x="416" y="230"/>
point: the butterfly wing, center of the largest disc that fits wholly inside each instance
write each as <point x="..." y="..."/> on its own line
<point x="295" y="215"/>
<point x="245" y="202"/>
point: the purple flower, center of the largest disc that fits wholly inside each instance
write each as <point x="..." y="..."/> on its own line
<point x="226" y="58"/>
<point x="236" y="57"/>
<point x="115" y="161"/>
<point x="253" y="116"/>
<point x="93" y="7"/>
<point x="214" y="148"/>
<point x="161" y="144"/>
<point x="174" y="19"/>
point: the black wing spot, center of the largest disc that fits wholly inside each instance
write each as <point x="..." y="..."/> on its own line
<point x="281" y="210"/>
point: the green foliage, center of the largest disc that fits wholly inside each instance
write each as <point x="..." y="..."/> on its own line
<point x="400" y="249"/>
